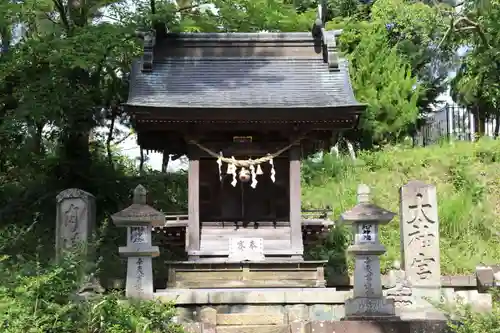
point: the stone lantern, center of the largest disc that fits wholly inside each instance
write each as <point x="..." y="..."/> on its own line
<point x="139" y="218"/>
<point x="368" y="302"/>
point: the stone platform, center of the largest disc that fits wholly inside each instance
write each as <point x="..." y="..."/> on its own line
<point x="379" y="326"/>
<point x="289" y="304"/>
<point x="253" y="311"/>
<point x="305" y="304"/>
<point x="265" y="274"/>
<point x="325" y="327"/>
<point x="253" y="296"/>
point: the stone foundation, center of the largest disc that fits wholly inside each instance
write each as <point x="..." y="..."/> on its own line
<point x="299" y="310"/>
<point x="258" y="324"/>
<point x="265" y="274"/>
<point x="380" y="326"/>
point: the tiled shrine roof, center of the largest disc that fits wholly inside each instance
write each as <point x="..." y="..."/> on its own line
<point x="263" y="78"/>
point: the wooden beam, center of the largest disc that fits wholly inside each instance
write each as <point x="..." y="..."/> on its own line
<point x="295" y="201"/>
<point x="206" y="127"/>
<point x="193" y="202"/>
<point x="344" y="114"/>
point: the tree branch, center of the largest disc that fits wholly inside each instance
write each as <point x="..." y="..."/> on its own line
<point x="187" y="8"/>
<point x="123" y="139"/>
<point x="62" y="13"/>
<point x="49" y="18"/>
<point x="470" y="25"/>
<point x="110" y="136"/>
<point x="111" y="18"/>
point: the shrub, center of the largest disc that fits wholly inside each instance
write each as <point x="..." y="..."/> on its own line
<point x="468" y="321"/>
<point x="37" y="298"/>
<point x="467" y="178"/>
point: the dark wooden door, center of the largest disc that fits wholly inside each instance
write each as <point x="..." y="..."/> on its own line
<point x="221" y="201"/>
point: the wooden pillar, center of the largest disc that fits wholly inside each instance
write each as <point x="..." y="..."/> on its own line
<point x="295" y="203"/>
<point x="193" y="203"/>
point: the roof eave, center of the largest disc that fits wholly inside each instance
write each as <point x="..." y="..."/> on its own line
<point x="267" y="107"/>
<point x="249" y="114"/>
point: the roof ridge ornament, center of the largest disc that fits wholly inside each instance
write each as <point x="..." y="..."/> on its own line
<point x="327" y="40"/>
<point x="318" y="27"/>
<point x="149" y="41"/>
<point x="331" y="51"/>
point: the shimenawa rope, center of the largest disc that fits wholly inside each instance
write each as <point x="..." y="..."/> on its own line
<point x="245" y="163"/>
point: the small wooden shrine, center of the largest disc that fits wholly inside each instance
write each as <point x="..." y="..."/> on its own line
<point x="245" y="108"/>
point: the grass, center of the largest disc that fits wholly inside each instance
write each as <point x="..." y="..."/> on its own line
<point x="467" y="177"/>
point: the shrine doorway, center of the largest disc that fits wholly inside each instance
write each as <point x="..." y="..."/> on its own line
<point x="220" y="201"/>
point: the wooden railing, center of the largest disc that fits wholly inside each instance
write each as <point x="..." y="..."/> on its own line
<point x="321" y="213"/>
<point x="176" y="220"/>
<point x="316" y="216"/>
<point x="309" y="216"/>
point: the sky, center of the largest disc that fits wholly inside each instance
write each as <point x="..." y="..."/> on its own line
<point x="131" y="149"/>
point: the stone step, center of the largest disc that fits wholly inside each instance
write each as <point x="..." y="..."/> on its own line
<point x="233" y="319"/>
<point x="254" y="329"/>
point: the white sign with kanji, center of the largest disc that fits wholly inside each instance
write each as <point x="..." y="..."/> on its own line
<point x="246" y="249"/>
<point x="366" y="233"/>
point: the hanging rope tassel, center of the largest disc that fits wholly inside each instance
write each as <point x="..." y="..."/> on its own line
<point x="254" y="176"/>
<point x="219" y="163"/>
<point x="259" y="170"/>
<point x="231" y="170"/>
<point x="234" y="164"/>
<point x="273" y="172"/>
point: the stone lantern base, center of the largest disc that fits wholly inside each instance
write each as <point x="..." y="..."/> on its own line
<point x="369" y="308"/>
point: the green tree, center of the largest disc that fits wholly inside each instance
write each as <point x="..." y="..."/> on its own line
<point x="69" y="71"/>
<point x="67" y="75"/>
<point x="395" y="65"/>
<point x="383" y="80"/>
<point x="476" y="85"/>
